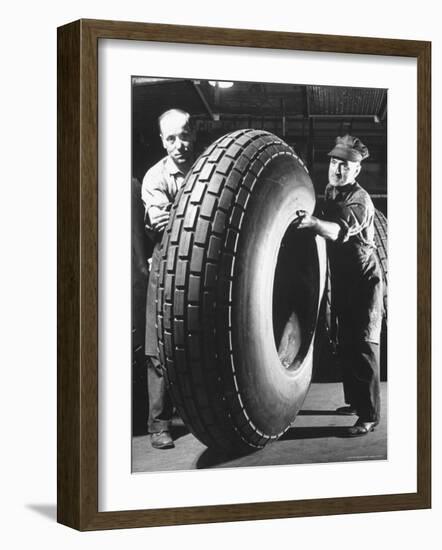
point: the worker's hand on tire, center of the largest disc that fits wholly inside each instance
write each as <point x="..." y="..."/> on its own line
<point x="159" y="217"/>
<point x="304" y="220"/>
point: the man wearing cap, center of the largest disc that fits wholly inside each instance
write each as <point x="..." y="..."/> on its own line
<point x="356" y="280"/>
<point x="160" y="187"/>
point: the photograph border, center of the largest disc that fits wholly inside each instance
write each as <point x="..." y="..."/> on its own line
<point x="77" y="278"/>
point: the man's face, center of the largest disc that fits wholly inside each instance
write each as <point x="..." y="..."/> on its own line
<point x="177" y="138"/>
<point x="342" y="172"/>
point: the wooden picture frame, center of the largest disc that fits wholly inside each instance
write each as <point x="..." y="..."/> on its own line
<point x="78" y="274"/>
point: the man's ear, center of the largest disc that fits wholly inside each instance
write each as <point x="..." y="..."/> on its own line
<point x="358" y="169"/>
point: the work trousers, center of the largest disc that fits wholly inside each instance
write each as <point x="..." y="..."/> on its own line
<point x="357" y="300"/>
<point x="360" y="365"/>
<point x="160" y="404"/>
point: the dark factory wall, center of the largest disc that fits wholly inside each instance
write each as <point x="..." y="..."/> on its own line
<point x="307" y="117"/>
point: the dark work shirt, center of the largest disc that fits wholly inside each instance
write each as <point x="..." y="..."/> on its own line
<point x="355" y="273"/>
<point x="351" y="207"/>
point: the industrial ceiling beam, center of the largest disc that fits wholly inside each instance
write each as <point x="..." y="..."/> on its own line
<point x="204" y="100"/>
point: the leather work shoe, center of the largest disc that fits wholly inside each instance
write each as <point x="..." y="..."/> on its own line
<point x="348" y="410"/>
<point x="161" y="440"/>
<point x="361" y="428"/>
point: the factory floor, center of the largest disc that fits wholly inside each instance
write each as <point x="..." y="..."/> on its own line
<point x="317" y="435"/>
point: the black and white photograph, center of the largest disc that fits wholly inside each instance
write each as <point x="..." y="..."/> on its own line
<point x="259" y="274"/>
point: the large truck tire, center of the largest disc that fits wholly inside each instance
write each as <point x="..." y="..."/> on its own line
<point x="381" y="241"/>
<point x="239" y="292"/>
<point x="380" y="238"/>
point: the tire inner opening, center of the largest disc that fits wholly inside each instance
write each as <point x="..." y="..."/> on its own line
<point x="295" y="296"/>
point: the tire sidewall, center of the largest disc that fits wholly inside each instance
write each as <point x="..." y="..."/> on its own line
<point x="272" y="394"/>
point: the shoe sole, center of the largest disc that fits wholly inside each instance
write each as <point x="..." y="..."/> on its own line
<point x="345" y="413"/>
<point x="168" y="446"/>
<point x="359" y="434"/>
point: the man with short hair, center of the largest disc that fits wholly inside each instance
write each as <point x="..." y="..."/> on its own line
<point x="160" y="187"/>
<point x="356" y="280"/>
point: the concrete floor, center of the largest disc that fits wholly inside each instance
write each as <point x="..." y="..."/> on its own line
<point x="317" y="435"/>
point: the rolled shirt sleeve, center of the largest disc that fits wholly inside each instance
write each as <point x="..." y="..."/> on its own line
<point x="154" y="191"/>
<point x="352" y="218"/>
<point x="160" y="187"/>
<point x="353" y="211"/>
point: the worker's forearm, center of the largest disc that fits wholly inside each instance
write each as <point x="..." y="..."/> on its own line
<point x="328" y="230"/>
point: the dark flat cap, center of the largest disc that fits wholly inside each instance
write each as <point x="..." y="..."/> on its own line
<point x="349" y="148"/>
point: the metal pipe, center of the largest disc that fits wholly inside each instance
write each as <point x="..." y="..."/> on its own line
<point x="204" y="100"/>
